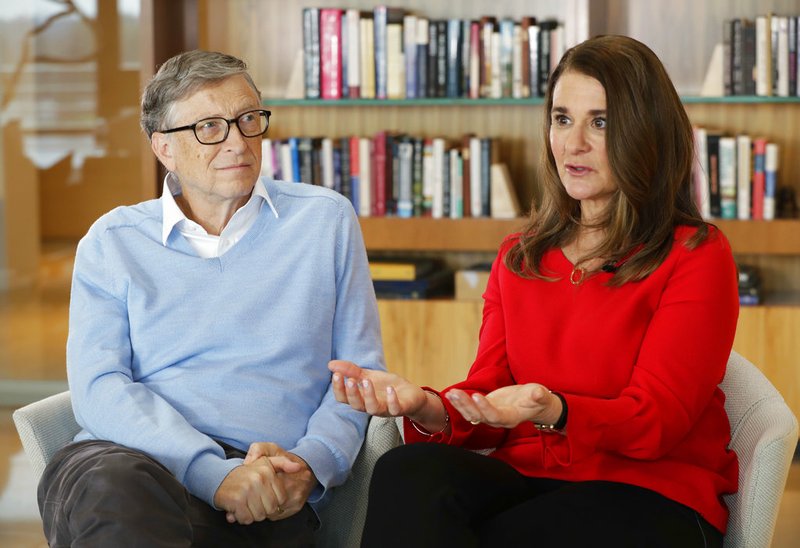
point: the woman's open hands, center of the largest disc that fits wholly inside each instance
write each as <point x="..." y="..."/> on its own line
<point x="508" y="406"/>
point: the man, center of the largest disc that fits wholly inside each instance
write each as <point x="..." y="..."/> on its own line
<point x="201" y="325"/>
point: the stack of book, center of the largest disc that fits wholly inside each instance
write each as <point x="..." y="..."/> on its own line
<point x="410" y="278"/>
<point x="749" y="286"/>
<point x="735" y="177"/>
<point x="395" y="174"/>
<point x="760" y="57"/>
<point x="389" y="53"/>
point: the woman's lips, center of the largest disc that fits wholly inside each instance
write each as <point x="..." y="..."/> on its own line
<point x="577" y="170"/>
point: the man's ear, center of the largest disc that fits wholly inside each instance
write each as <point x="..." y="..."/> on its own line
<point x="162" y="148"/>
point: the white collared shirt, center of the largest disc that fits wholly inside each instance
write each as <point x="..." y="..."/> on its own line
<point x="209" y="245"/>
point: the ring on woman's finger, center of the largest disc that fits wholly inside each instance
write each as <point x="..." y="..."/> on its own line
<point x="475" y="422"/>
<point x="280" y="510"/>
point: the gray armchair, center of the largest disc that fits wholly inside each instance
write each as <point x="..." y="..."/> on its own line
<point x="47" y="425"/>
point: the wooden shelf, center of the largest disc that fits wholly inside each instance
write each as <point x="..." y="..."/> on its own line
<point x="392" y="233"/>
<point x="778" y="237"/>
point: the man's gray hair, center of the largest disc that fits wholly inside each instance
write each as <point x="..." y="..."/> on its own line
<point x="181" y="76"/>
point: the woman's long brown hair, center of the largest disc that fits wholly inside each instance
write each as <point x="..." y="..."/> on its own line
<point x="650" y="153"/>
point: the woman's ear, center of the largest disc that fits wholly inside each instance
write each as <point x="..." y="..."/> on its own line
<point x="162" y="148"/>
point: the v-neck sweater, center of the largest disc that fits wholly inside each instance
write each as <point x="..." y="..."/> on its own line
<point x="168" y="352"/>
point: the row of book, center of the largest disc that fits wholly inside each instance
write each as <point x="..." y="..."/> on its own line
<point x="395" y="174"/>
<point x="389" y="53"/>
<point x="735" y="177"/>
<point x="760" y="57"/>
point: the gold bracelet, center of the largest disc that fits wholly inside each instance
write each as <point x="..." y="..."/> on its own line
<point x="446" y="418"/>
<point x="559" y="425"/>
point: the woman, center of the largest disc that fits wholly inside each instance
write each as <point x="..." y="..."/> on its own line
<point x="607" y="325"/>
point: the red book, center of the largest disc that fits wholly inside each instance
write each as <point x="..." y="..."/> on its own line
<point x="379" y="163"/>
<point x="330" y="44"/>
<point x="759" y="177"/>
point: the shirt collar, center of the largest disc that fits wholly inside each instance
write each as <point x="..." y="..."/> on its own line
<point x="173" y="215"/>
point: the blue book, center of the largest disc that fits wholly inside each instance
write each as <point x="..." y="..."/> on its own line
<point x="294" y="151"/>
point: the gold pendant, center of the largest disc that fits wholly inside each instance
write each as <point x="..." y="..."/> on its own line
<point x="576" y="276"/>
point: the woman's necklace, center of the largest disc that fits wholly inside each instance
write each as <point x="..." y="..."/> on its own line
<point x="577" y="275"/>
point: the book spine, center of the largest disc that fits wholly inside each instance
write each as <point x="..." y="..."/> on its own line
<point x="381" y="62"/>
<point x="729" y="55"/>
<point x="379" y="190"/>
<point x="331" y="52"/>
<point x="367" y="42"/>
<point x="770" y="180"/>
<point x="365" y="176"/>
<point x="743" y="176"/>
<point x="437" y="159"/>
<point x="475" y="193"/>
<point x="727" y="177"/>
<point x="422" y="57"/>
<point x="486" y="163"/>
<point x="427" y="178"/>
<point x="759" y="177"/>
<point x="456" y="185"/>
<point x="311" y="52"/>
<point x="405" y="203"/>
<point x="410" y="53"/>
<point x="326" y="154"/>
<point x="355" y="173"/>
<point x="416" y="178"/>
<point x="713" y="176"/>
<point x="700" y="172"/>
<point x="346" y="172"/>
<point x="353" y="53"/>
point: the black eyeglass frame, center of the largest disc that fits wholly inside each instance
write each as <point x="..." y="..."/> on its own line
<point x="230" y="121"/>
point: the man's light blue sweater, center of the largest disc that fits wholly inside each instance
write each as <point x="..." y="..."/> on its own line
<point x="168" y="351"/>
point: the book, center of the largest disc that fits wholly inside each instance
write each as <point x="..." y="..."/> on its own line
<point x="311" y="69"/>
<point x="700" y="173"/>
<point x="453" y="81"/>
<point x="410" y="55"/>
<point x="727" y="177"/>
<point x="759" y="177"/>
<point x="330" y="21"/>
<point x="405" y="203"/>
<point x="402" y="268"/>
<point x="395" y="61"/>
<point x="435" y="284"/>
<point x="770" y="180"/>
<point x="367" y="58"/>
<point x="504" y="201"/>
<point x="744" y="171"/>
<point x="353" y="53"/>
<point x="422" y="57"/>
<point x="715" y="198"/>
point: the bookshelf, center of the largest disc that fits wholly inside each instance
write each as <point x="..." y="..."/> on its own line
<point x="433" y="342"/>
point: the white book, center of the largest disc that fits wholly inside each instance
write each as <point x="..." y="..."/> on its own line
<point x="365" y="177"/>
<point x="516" y="64"/>
<point x="395" y="62"/>
<point x="405" y="199"/>
<point x="437" y="209"/>
<point x="782" y="70"/>
<point x="700" y="173"/>
<point x="427" y="175"/>
<point x="476" y="203"/>
<point x="267" y="169"/>
<point x="727" y="177"/>
<point x="744" y="171"/>
<point x="503" y="202"/>
<point x="326" y="150"/>
<point x="410" y="55"/>
<point x="763" y="55"/>
<point x="354" y="49"/>
<point x="456" y="185"/>
<point x="367" y="42"/>
<point x="770" y="180"/>
<point x="496" y="87"/>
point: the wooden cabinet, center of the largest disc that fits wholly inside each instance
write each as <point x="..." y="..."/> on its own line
<point x="433" y="342"/>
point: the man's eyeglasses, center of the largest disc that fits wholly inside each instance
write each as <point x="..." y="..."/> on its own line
<point x="212" y="131"/>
